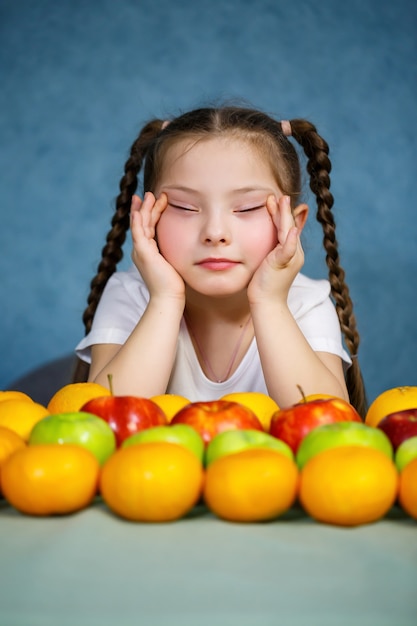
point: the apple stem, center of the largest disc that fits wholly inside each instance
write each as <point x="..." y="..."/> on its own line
<point x="110" y="379"/>
<point x="300" y="389"/>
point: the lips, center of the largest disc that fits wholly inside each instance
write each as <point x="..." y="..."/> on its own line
<point x="217" y="264"/>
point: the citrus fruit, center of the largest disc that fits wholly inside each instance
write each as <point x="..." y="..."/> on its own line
<point x="50" y="479"/>
<point x="407" y="494"/>
<point x="152" y="482"/>
<point x="21" y="416"/>
<point x="261" y="404"/>
<point x="9" y="443"/>
<point x="391" y="401"/>
<point x="318" y="396"/>
<point x="348" y="485"/>
<point x="251" y="486"/>
<point x="13" y="395"/>
<point x="72" y="397"/>
<point x="170" y="403"/>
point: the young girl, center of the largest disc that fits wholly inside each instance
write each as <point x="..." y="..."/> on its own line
<point x="214" y="301"/>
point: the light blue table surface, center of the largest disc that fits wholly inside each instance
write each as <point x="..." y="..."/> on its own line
<point x="93" y="569"/>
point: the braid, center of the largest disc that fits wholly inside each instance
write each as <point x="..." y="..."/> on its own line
<point x="112" y="252"/>
<point x="319" y="167"/>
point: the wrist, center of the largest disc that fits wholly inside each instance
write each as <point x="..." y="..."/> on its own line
<point x="270" y="301"/>
<point x="167" y="302"/>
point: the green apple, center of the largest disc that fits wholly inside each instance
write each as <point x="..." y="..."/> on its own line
<point x="406" y="452"/>
<point x="181" y="434"/>
<point x="341" y="434"/>
<point x="231" y="441"/>
<point x="82" y="428"/>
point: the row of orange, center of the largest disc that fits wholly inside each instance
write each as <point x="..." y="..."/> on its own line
<point x="156" y="482"/>
<point x="160" y="482"/>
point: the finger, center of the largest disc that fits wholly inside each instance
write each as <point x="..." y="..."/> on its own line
<point x="286" y="220"/>
<point x="272" y="206"/>
<point x="146" y="213"/>
<point x="135" y="204"/>
<point x="293" y="248"/>
<point x="158" y="208"/>
<point x="152" y="210"/>
<point x="285" y="252"/>
<point x="134" y="209"/>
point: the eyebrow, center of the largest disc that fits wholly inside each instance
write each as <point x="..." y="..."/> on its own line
<point x="241" y="190"/>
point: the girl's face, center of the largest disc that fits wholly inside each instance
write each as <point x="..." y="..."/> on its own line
<point x="216" y="229"/>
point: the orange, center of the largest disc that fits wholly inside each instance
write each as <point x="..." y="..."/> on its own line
<point x="50" y="479"/>
<point x="21" y="416"/>
<point x="390" y="401"/>
<point x="9" y="443"/>
<point x="407" y="494"/>
<point x="262" y="405"/>
<point x="12" y="395"/>
<point x="318" y="396"/>
<point x="153" y="482"/>
<point x="170" y="403"/>
<point x="72" y="397"/>
<point x="251" y="486"/>
<point x="348" y="485"/>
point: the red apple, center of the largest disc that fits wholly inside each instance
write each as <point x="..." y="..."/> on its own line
<point x="293" y="423"/>
<point x="126" y="415"/>
<point x="399" y="426"/>
<point x="215" y="416"/>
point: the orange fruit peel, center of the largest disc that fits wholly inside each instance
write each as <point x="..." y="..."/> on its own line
<point x="391" y="401"/>
<point x="251" y="486"/>
<point x="50" y="479"/>
<point x="73" y="396"/>
<point x="348" y="485"/>
<point x="21" y="416"/>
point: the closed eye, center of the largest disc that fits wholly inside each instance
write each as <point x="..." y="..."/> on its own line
<point x="181" y="207"/>
<point x="249" y="209"/>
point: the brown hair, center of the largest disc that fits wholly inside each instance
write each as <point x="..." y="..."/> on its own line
<point x="267" y="135"/>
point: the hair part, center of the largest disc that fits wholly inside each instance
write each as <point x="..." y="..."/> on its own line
<point x="259" y="130"/>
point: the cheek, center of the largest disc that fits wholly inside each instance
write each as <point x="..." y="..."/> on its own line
<point x="169" y="236"/>
<point x="260" y="239"/>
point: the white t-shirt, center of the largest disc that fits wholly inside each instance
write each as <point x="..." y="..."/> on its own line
<point x="125" y="298"/>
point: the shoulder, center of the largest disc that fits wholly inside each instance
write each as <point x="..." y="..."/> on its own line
<point x="307" y="293"/>
<point x="126" y="286"/>
<point x="121" y="305"/>
<point x="314" y="311"/>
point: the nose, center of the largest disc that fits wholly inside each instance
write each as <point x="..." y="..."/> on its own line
<point x="216" y="229"/>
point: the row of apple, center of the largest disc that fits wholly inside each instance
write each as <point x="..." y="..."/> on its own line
<point x="106" y="423"/>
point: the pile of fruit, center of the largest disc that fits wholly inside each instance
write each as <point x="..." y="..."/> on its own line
<point x="244" y="458"/>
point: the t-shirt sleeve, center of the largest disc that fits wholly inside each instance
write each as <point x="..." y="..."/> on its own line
<point x="310" y="303"/>
<point x="121" y="306"/>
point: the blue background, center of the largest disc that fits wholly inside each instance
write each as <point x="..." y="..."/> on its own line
<point x="79" y="78"/>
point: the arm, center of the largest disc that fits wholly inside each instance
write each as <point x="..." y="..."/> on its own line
<point x="142" y="366"/>
<point x="286" y="356"/>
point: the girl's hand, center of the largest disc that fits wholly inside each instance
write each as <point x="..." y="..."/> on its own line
<point x="159" y="276"/>
<point x="276" y="273"/>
